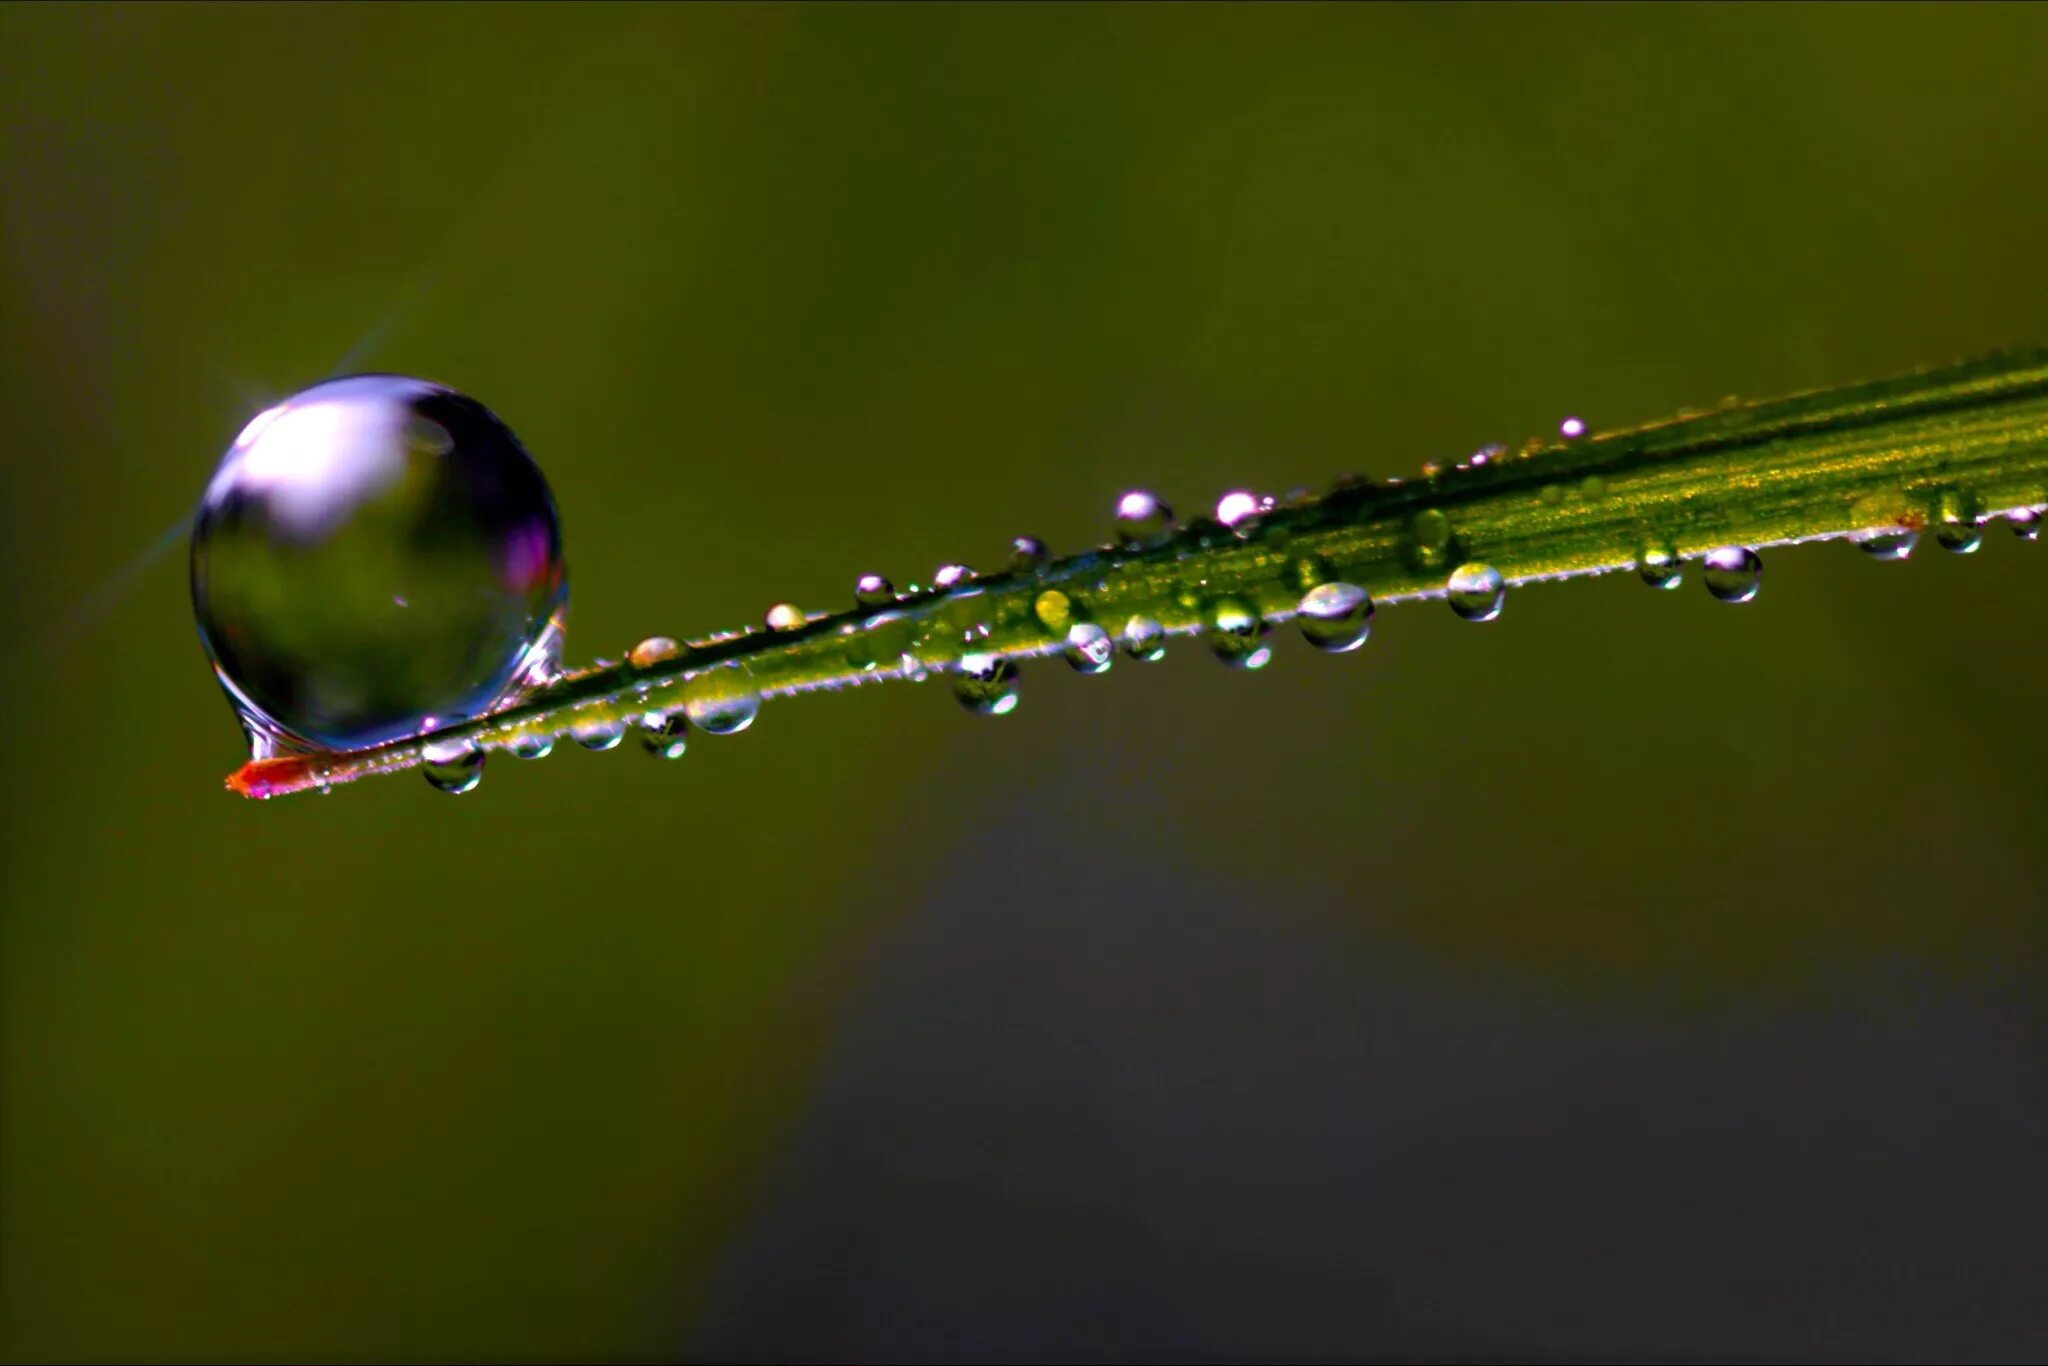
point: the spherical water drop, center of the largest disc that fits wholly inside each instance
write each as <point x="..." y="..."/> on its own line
<point x="1658" y="564"/>
<point x="598" y="736"/>
<point x="1476" y="592"/>
<point x="1028" y="553"/>
<point x="1237" y="634"/>
<point x="1428" y="538"/>
<point x="872" y="590"/>
<point x="1142" y="519"/>
<point x="1955" y="525"/>
<point x="721" y="701"/>
<point x="1335" y="617"/>
<point x="453" y="766"/>
<point x="372" y="551"/>
<point x="1572" y="428"/>
<point x="531" y="746"/>
<point x="986" y="684"/>
<point x="2025" y="523"/>
<point x="651" y="651"/>
<point x="1887" y="543"/>
<point x="1089" y="648"/>
<point x="1238" y="505"/>
<point x="1144" y="640"/>
<point x="1732" y="573"/>
<point x="664" y="735"/>
<point x="783" y="616"/>
<point x="951" y="576"/>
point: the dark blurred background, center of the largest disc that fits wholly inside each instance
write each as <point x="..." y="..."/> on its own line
<point x="1635" y="975"/>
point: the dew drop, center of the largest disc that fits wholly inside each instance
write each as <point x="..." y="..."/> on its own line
<point x="1141" y="519"/>
<point x="452" y="766"/>
<point x="721" y="701"/>
<point x="664" y="735"/>
<point x="2025" y="523"/>
<point x="652" y="651"/>
<point x="1476" y="592"/>
<point x="1955" y="525"/>
<point x="784" y="616"/>
<point x="1089" y="648"/>
<point x="951" y="576"/>
<point x="1887" y="543"/>
<point x="1238" y="505"/>
<point x="1572" y="428"/>
<point x="986" y="684"/>
<point x="1144" y="640"/>
<point x="531" y="746"/>
<point x="1658" y="563"/>
<point x="1429" y="538"/>
<point x="1237" y="633"/>
<point x="1028" y="553"/>
<point x="872" y="590"/>
<point x="598" y="736"/>
<point x="1732" y="573"/>
<point x="1335" y="617"/>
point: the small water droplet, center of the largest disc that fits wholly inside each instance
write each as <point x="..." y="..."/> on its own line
<point x="1054" y="610"/>
<point x="721" y="701"/>
<point x="1237" y="634"/>
<point x="531" y="746"/>
<point x="1487" y="455"/>
<point x="665" y="735"/>
<point x="1144" y="640"/>
<point x="452" y="766"/>
<point x="1552" y="494"/>
<point x="1028" y="553"/>
<point x="1476" y="592"/>
<point x="1955" y="526"/>
<point x="1658" y="563"/>
<point x="652" y="651"/>
<point x="1089" y="648"/>
<point x="1732" y="573"/>
<point x="872" y="590"/>
<point x="1593" y="488"/>
<point x="1429" y="538"/>
<point x="1887" y="543"/>
<point x="1238" y="505"/>
<point x="1335" y="617"/>
<point x="2025" y="523"/>
<point x="986" y="684"/>
<point x="783" y="616"/>
<point x="1572" y="428"/>
<point x="598" y="736"/>
<point x="951" y="576"/>
<point x="1142" y="519"/>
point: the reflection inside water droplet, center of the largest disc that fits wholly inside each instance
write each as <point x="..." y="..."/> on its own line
<point x="1658" y="564"/>
<point x="1144" y="640"/>
<point x="598" y="736"/>
<point x="721" y="701"/>
<point x="665" y="735"/>
<point x="1237" y="634"/>
<point x="1089" y="648"/>
<point x="1732" y="573"/>
<point x="1887" y="543"/>
<point x="1476" y="592"/>
<point x="453" y="766"/>
<point x="986" y="684"/>
<point x="1335" y="617"/>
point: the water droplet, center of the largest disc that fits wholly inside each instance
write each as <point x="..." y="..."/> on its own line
<point x="2025" y="523"/>
<point x="1335" y="617"/>
<point x="1239" y="505"/>
<point x="1572" y="428"/>
<point x="1593" y="488"/>
<point x="1429" y="538"/>
<point x="665" y="735"/>
<point x="951" y="576"/>
<point x="721" y="701"/>
<point x="651" y="651"/>
<point x="1144" y="640"/>
<point x="1142" y="519"/>
<point x="453" y="766"/>
<point x="1955" y="523"/>
<point x="1054" y="609"/>
<point x="531" y="746"/>
<point x="1476" y="592"/>
<point x="598" y="736"/>
<point x="1028" y="553"/>
<point x="872" y="590"/>
<point x="336" y="505"/>
<point x="1237" y="633"/>
<point x="1887" y="543"/>
<point x="1658" y="563"/>
<point x="1732" y="573"/>
<point x="1089" y="648"/>
<point x="784" y="616"/>
<point x="986" y="684"/>
<point x="1489" y="454"/>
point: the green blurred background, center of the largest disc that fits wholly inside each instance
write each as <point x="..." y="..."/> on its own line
<point x="1633" y="974"/>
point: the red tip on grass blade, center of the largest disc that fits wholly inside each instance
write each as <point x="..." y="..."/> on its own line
<point x="261" y="778"/>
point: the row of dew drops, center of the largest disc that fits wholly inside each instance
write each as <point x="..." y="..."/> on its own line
<point x="1333" y="616"/>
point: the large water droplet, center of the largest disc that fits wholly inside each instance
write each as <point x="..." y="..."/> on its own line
<point x="453" y="766"/>
<point x="1476" y="592"/>
<point x="1237" y="506"/>
<point x="1887" y="543"/>
<point x="1956" y="515"/>
<point x="1237" y="634"/>
<point x="1141" y="519"/>
<point x="1089" y="648"/>
<point x="373" y="551"/>
<point x="872" y="590"/>
<point x="651" y="651"/>
<point x="665" y="735"/>
<point x="1144" y="640"/>
<point x="1335" y="617"/>
<point x="986" y="684"/>
<point x="721" y="701"/>
<point x="1658" y="564"/>
<point x="1732" y="573"/>
<point x="1028" y="553"/>
<point x="598" y="736"/>
<point x="2025" y="523"/>
<point x="951" y="576"/>
<point x="783" y="616"/>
